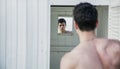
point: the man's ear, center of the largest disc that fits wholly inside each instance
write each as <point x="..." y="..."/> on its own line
<point x="76" y="25"/>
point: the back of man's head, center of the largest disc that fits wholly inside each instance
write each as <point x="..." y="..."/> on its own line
<point x="85" y="15"/>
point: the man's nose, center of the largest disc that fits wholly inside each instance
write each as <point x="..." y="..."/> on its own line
<point x="62" y="26"/>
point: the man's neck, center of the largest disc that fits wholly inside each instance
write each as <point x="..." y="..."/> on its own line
<point x="61" y="31"/>
<point x="86" y="36"/>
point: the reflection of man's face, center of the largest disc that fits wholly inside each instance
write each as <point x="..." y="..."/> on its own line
<point x="61" y="26"/>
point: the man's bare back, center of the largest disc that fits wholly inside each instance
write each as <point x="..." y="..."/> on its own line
<point x="94" y="54"/>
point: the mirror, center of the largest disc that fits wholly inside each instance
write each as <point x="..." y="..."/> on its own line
<point x="65" y="25"/>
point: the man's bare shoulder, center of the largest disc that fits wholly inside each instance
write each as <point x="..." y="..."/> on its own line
<point x="68" y="61"/>
<point x="108" y="40"/>
<point x="78" y="59"/>
<point x="113" y="47"/>
<point x="112" y="44"/>
<point x="116" y="42"/>
<point x="71" y="55"/>
<point x="109" y="49"/>
<point x="107" y="43"/>
<point x="68" y="56"/>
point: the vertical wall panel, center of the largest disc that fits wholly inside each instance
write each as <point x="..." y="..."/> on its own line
<point x="2" y="33"/>
<point x="35" y="34"/>
<point x="11" y="35"/>
<point x="44" y="35"/>
<point x="29" y="63"/>
<point x="32" y="34"/>
<point x="21" y="22"/>
<point x="14" y="33"/>
<point x="21" y="48"/>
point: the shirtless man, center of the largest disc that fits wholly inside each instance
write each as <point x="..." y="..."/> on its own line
<point x="92" y="52"/>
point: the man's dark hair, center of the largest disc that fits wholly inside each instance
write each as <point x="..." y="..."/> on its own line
<point x="61" y="20"/>
<point x="85" y="15"/>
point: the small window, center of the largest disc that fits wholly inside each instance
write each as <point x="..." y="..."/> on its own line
<point x="65" y="24"/>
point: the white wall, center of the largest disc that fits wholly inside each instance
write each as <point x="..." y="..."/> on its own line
<point x="74" y="2"/>
<point x="114" y="20"/>
<point x="24" y="34"/>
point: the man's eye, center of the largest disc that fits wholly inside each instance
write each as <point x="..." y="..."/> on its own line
<point x="61" y="25"/>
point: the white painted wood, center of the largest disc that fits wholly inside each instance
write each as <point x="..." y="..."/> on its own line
<point x="29" y="53"/>
<point x="20" y="25"/>
<point x="74" y="2"/>
<point x="35" y="34"/>
<point x="114" y="22"/>
<point x="32" y="34"/>
<point x="21" y="48"/>
<point x="114" y="3"/>
<point x="2" y="33"/>
<point x="11" y="35"/>
<point x="44" y="35"/>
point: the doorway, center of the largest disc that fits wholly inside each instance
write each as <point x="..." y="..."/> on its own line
<point x="61" y="44"/>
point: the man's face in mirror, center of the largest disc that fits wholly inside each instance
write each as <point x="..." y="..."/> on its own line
<point x="61" y="27"/>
